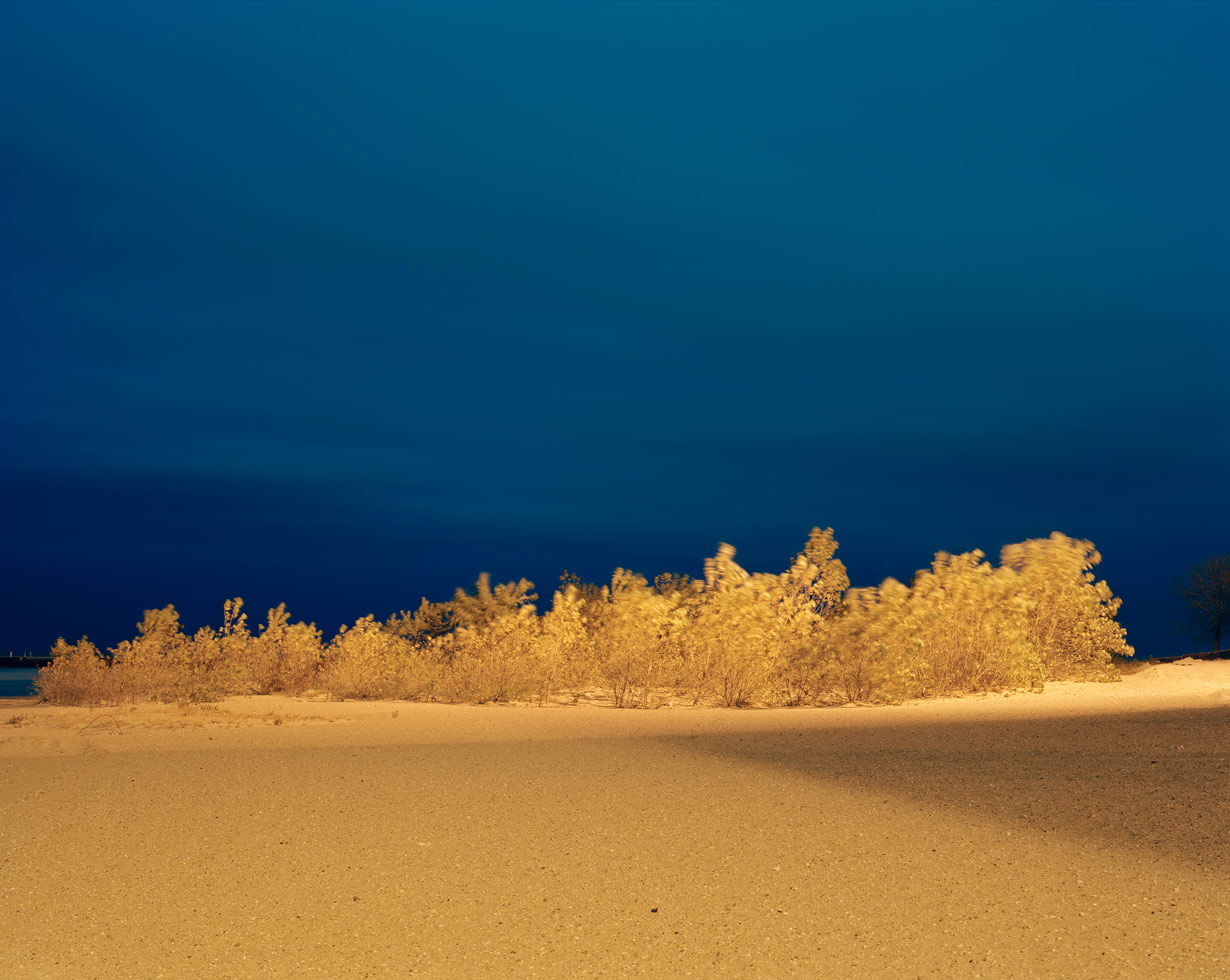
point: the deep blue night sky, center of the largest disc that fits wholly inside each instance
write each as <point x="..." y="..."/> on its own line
<point x="341" y="304"/>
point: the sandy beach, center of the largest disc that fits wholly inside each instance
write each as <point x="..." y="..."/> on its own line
<point x="1079" y="833"/>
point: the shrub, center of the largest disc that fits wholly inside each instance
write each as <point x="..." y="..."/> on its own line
<point x="77" y="675"/>
<point x="1069" y="618"/>
<point x="366" y="661"/>
<point x="285" y="657"/>
<point x="863" y="655"/>
<point x="798" y="637"/>
<point x="967" y="621"/>
<point x="566" y="661"/>
<point x="144" y="669"/>
<point x="500" y="662"/>
<point x="630" y="628"/>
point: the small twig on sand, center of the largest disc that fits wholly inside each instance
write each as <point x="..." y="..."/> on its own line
<point x="115" y="721"/>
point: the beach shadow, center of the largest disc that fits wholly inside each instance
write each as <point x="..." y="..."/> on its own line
<point x="1155" y="782"/>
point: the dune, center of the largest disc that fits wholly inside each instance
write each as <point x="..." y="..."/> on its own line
<point x="1081" y="832"/>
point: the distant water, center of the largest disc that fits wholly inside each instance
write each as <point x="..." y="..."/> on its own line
<point x="16" y="682"/>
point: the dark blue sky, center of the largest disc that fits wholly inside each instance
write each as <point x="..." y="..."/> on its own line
<point x="341" y="304"/>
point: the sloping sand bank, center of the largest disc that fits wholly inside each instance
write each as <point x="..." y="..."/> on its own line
<point x="1084" y="832"/>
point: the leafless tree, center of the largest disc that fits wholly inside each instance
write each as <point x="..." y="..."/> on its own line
<point x="1206" y="590"/>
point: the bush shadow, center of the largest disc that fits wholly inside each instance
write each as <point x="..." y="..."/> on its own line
<point x="1152" y="782"/>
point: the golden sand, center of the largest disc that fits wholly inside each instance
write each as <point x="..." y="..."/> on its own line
<point x="1079" y="833"/>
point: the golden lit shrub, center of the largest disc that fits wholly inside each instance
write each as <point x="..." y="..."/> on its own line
<point x="299" y="653"/>
<point x="231" y="673"/>
<point x="499" y="662"/>
<point x="865" y="653"/>
<point x="366" y="661"/>
<point x="629" y="627"/>
<point x="76" y="675"/>
<point x="816" y="581"/>
<point x="566" y="648"/>
<point x="739" y="628"/>
<point x="284" y="657"/>
<point x="145" y="668"/>
<point x="1070" y="617"/>
<point x="478" y="609"/>
<point x="808" y="597"/>
<point x="195" y="670"/>
<point x="801" y="636"/>
<point x="430" y="621"/>
<point x="733" y="636"/>
<point x="211" y="664"/>
<point x="967" y="621"/>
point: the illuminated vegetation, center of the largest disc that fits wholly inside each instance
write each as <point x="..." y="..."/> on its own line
<point x="735" y="638"/>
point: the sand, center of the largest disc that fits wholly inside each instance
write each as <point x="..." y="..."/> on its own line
<point x="1079" y="833"/>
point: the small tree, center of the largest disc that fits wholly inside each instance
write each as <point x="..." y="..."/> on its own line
<point x="1206" y="590"/>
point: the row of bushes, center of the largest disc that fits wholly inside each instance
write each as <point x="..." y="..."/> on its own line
<point x="733" y="638"/>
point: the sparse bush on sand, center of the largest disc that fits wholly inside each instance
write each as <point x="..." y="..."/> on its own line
<point x="734" y="638"/>
<point x="632" y="626"/>
<point x="367" y="661"/>
<point x="502" y="661"/>
<point x="286" y="656"/>
<point x="76" y="675"/>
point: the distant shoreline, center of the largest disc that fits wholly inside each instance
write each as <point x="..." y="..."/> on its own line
<point x="23" y="662"/>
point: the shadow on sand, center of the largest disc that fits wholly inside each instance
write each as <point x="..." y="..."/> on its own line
<point x="1154" y="782"/>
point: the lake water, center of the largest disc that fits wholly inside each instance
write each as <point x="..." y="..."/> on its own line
<point x="16" y="682"/>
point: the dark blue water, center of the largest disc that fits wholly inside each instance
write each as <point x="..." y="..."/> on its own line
<point x="17" y="682"/>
